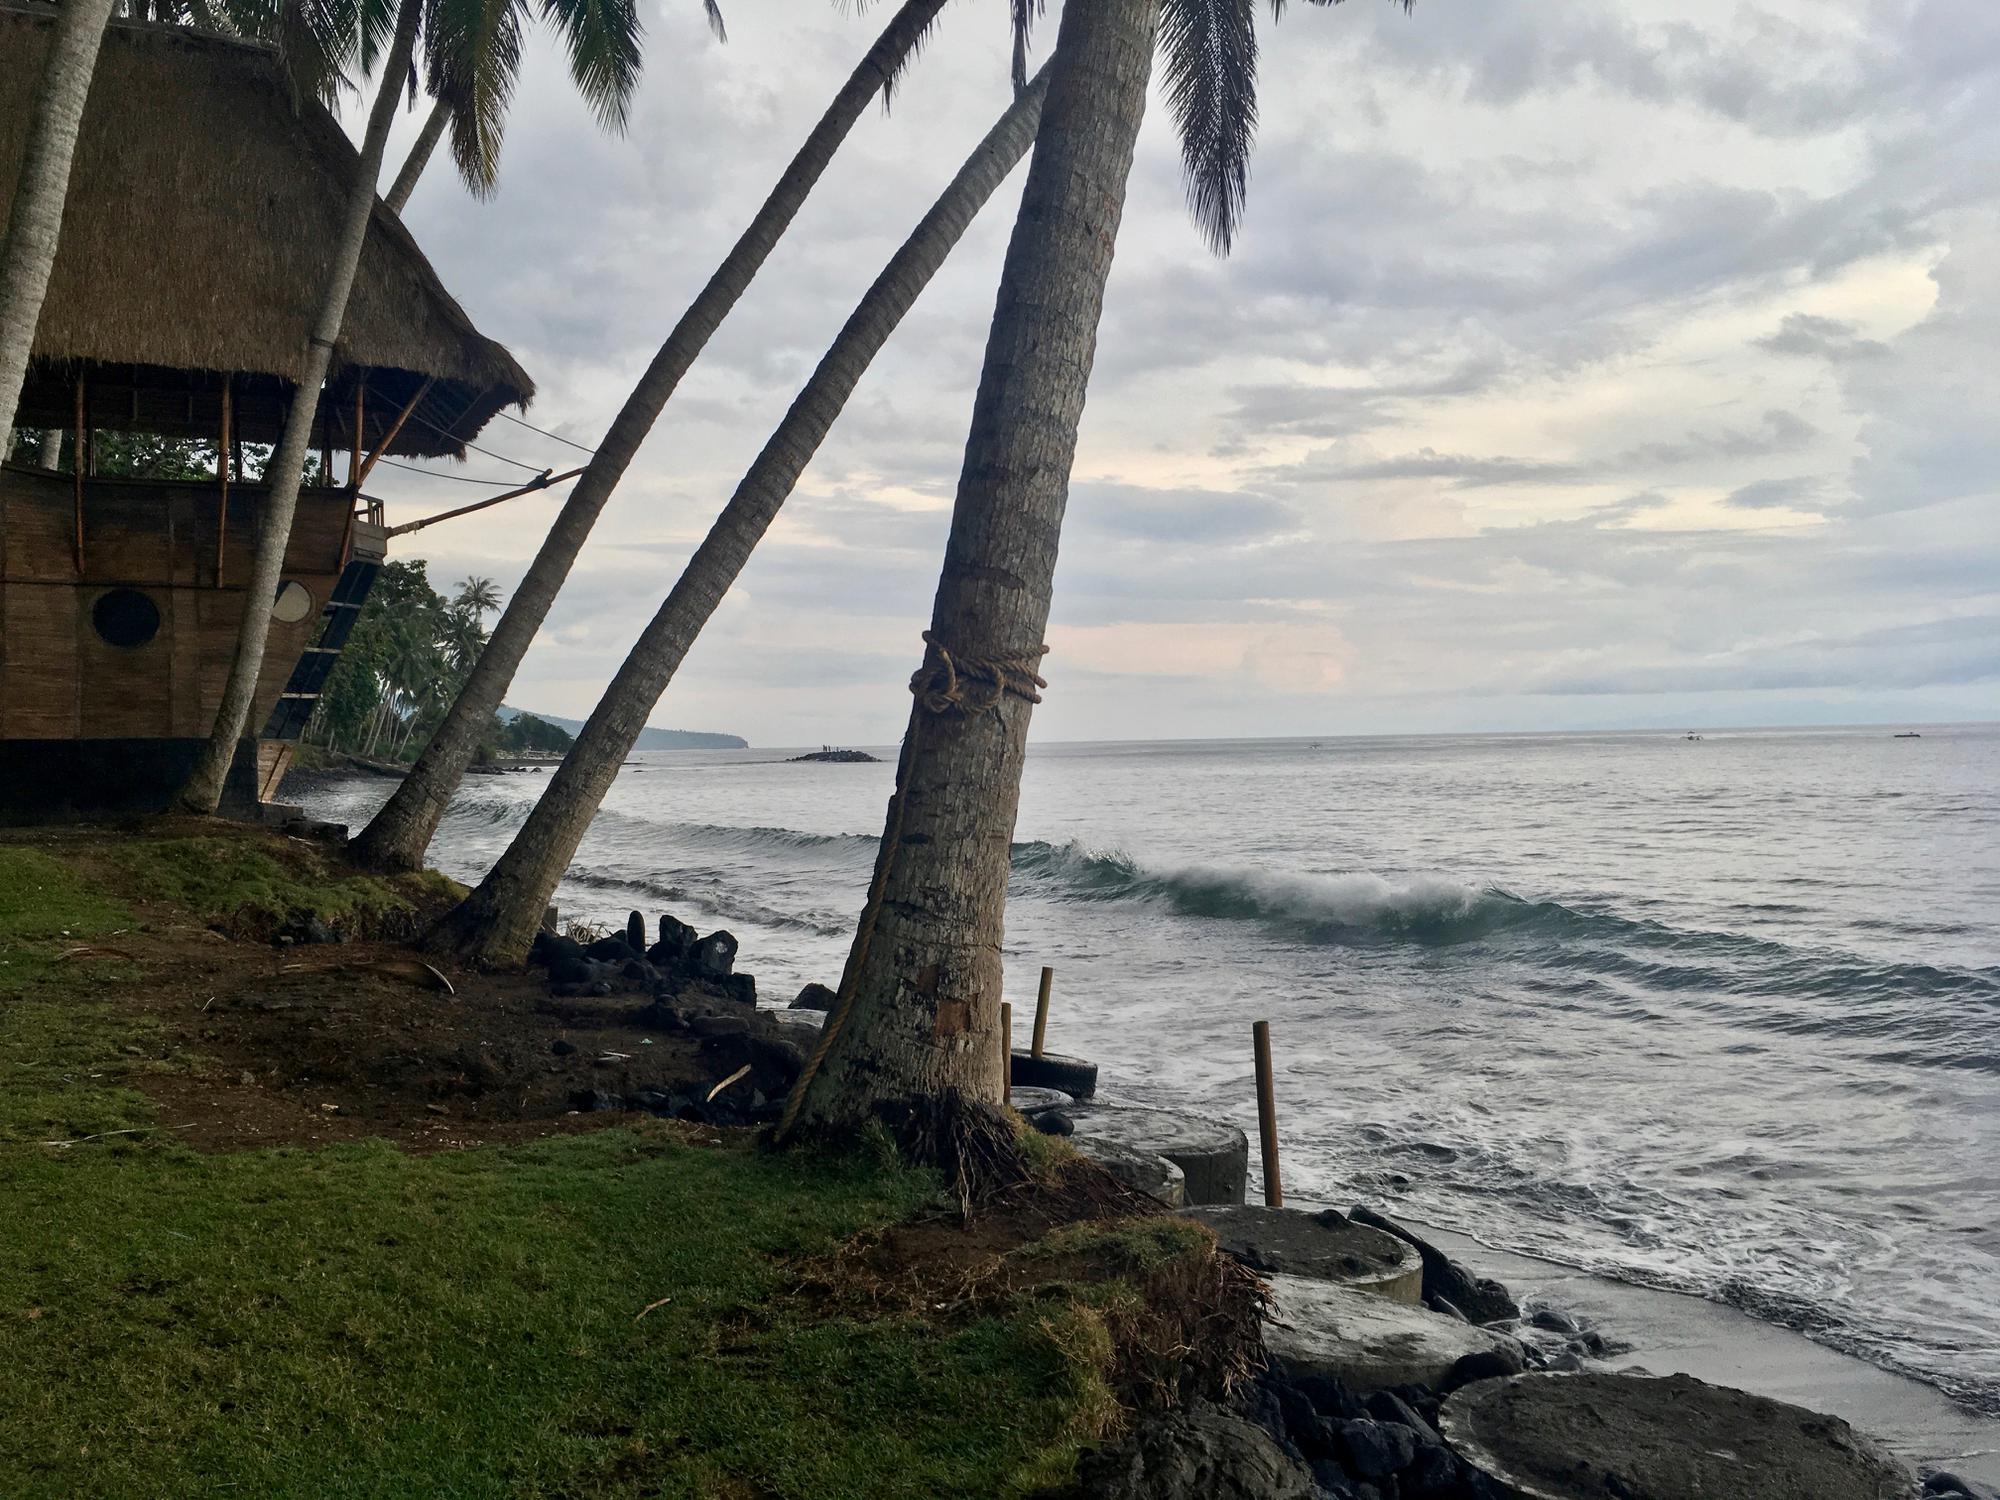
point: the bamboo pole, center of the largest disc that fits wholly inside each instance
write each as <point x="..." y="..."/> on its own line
<point x="1006" y="1053"/>
<point x="1267" y="1115"/>
<point x="222" y="453"/>
<point x="1042" y="1011"/>
<point x="395" y="428"/>
<point x="540" y="482"/>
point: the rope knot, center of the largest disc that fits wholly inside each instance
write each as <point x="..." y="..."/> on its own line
<point x="969" y="684"/>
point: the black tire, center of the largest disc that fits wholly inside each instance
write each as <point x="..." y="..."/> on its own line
<point x="1072" y="1075"/>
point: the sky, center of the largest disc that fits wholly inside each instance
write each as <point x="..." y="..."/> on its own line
<point x="1580" y="364"/>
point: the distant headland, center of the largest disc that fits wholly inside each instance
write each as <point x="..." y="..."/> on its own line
<point x="649" y="738"/>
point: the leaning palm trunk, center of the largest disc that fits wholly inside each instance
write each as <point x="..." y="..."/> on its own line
<point x="498" y="920"/>
<point x="920" y="1011"/>
<point x="203" y="793"/>
<point x="28" y="252"/>
<point x="421" y="150"/>
<point x="398" y="835"/>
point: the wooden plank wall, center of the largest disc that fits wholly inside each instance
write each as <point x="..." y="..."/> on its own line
<point x="60" y="680"/>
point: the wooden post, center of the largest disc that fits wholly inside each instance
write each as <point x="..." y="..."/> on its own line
<point x="222" y="453"/>
<point x="395" y="428"/>
<point x="360" y="417"/>
<point x="1267" y="1115"/>
<point x="82" y="462"/>
<point x="1042" y="1011"/>
<point x="1006" y="1053"/>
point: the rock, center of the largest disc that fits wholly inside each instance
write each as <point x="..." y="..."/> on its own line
<point x="1507" y="1358"/>
<point x="778" y="1059"/>
<point x="562" y="1047"/>
<point x="1944" y="1485"/>
<point x="1585" y="1437"/>
<point x="551" y="948"/>
<point x="1555" y="1322"/>
<point x="1327" y="1246"/>
<point x="612" y="950"/>
<point x="713" y="957"/>
<point x="589" y="1100"/>
<point x="635" y="933"/>
<point x="804" y="1023"/>
<point x="714" y="1026"/>
<point x="1387" y="1406"/>
<point x="1032" y="1101"/>
<point x="1203" y="1453"/>
<point x="1213" y="1155"/>
<point x="741" y="988"/>
<point x="1481" y="1301"/>
<point x="1433" y="1475"/>
<point x="1367" y="1343"/>
<point x="677" y="941"/>
<point x="1375" y="1450"/>
<point x="815" y="997"/>
<point x="1055" y="1122"/>
<point x="1142" y="1171"/>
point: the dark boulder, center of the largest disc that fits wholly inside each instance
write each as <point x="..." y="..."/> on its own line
<point x="711" y="1026"/>
<point x="1477" y="1299"/>
<point x="551" y="948"/>
<point x="611" y="950"/>
<point x="815" y="997"/>
<point x="677" y="940"/>
<point x="1202" y="1453"/>
<point x="1375" y="1450"/>
<point x="713" y="957"/>
<point x="1944" y="1485"/>
<point x="741" y="988"/>
<point x="1486" y="1365"/>
<point x="635" y="933"/>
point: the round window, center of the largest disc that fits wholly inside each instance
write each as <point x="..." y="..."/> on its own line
<point x="125" y="618"/>
<point x="293" y="603"/>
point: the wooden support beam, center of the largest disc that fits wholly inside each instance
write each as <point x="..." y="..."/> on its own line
<point x="82" y="460"/>
<point x="360" y="418"/>
<point x="222" y="452"/>
<point x="395" y="428"/>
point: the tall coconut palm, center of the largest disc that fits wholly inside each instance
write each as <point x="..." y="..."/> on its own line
<point x="397" y="836"/>
<point x="34" y="223"/>
<point x="203" y="791"/>
<point x="497" y="921"/>
<point x="473" y="55"/>
<point x="918" y="1014"/>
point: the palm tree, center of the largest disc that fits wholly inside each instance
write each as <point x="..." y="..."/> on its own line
<point x="473" y="53"/>
<point x="203" y="791"/>
<point x="919" y="1008"/>
<point x="481" y="596"/>
<point x="398" y="835"/>
<point x="497" y="921"/>
<point x="34" y="225"/>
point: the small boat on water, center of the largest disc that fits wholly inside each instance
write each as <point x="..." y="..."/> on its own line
<point x="1907" y="734"/>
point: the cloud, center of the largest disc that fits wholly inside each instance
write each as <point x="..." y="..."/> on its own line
<point x="1583" y="360"/>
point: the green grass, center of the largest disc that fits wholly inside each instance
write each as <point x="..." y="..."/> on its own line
<point x="238" y="881"/>
<point x="359" y="1322"/>
<point x="62" y="1058"/>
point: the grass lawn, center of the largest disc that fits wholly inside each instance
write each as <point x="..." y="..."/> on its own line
<point x="618" y="1312"/>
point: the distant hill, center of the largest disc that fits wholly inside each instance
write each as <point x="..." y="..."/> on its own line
<point x="649" y="738"/>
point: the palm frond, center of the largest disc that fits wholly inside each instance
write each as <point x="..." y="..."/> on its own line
<point x="376" y="22"/>
<point x="603" y="37"/>
<point x="1022" y="15"/>
<point x="473" y="58"/>
<point x="902" y="64"/>
<point x="1209" y="48"/>
<point x="715" y="24"/>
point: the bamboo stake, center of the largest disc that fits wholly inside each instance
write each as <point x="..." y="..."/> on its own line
<point x="1006" y="1053"/>
<point x="222" y="473"/>
<point x="1267" y="1115"/>
<point x="1042" y="1011"/>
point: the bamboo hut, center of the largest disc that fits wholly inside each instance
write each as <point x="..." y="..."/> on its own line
<point x="202" y="202"/>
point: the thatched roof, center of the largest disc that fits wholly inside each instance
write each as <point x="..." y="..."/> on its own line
<point x="202" y="204"/>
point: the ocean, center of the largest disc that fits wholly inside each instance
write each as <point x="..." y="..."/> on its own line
<point x="1717" y="1015"/>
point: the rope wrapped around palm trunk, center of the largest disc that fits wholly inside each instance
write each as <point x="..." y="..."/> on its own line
<point x="946" y="683"/>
